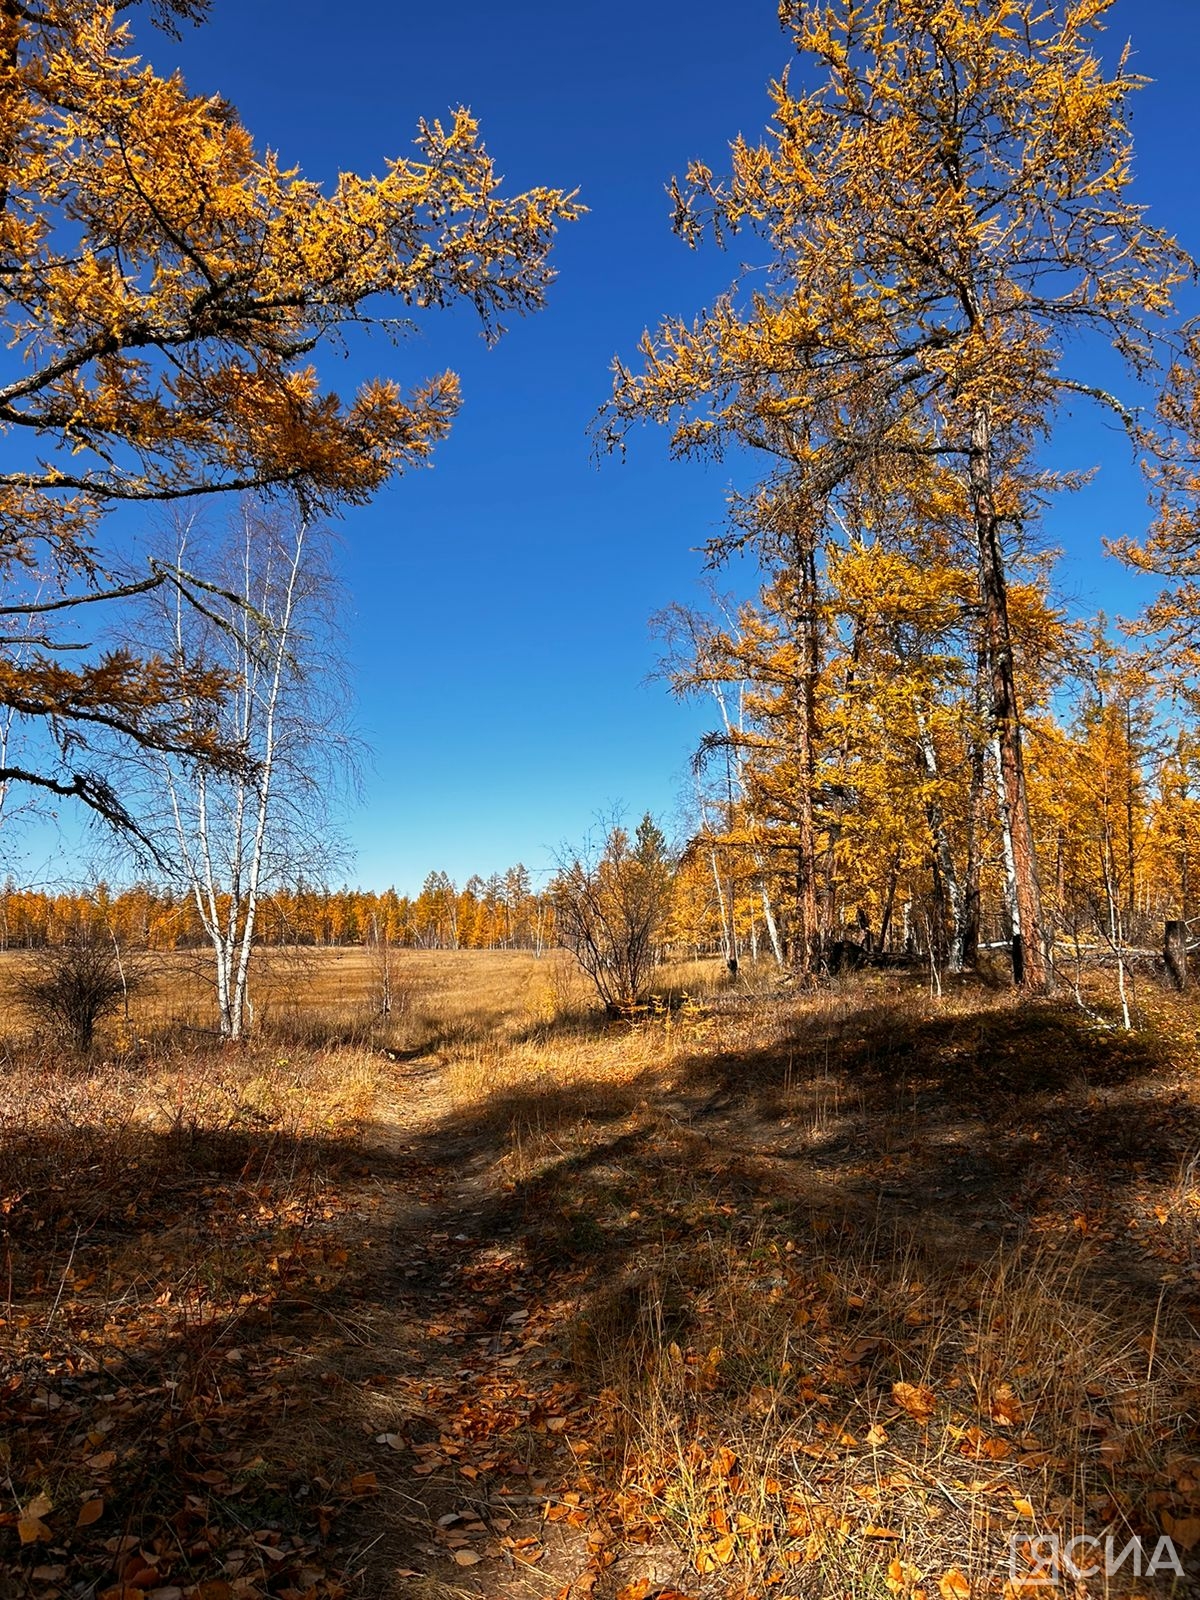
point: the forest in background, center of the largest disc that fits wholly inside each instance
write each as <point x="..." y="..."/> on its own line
<point x="1115" y="805"/>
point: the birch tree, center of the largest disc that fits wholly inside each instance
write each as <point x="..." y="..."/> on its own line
<point x="232" y="835"/>
<point x="698" y="660"/>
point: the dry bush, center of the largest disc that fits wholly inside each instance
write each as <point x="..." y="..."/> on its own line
<point x="611" y="904"/>
<point x="68" y="988"/>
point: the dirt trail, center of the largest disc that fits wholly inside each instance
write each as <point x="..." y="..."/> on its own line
<point x="460" y="1380"/>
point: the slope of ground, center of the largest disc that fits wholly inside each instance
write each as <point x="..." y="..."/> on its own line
<point x="865" y="1292"/>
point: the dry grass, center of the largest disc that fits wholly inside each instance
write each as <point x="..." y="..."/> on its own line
<point x="320" y="996"/>
<point x="765" y="1294"/>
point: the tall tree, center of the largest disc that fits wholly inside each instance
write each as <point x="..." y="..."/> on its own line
<point x="942" y="212"/>
<point x="230" y="836"/>
<point x="163" y="285"/>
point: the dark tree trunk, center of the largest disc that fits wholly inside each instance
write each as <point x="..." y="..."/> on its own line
<point x="1175" y="954"/>
<point x="1030" y="968"/>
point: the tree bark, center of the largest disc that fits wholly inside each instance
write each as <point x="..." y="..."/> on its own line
<point x="1175" y="954"/>
<point x="972" y="892"/>
<point x="947" y="887"/>
<point x="1030" y="968"/>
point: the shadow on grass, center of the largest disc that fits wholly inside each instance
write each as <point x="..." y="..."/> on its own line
<point x="984" y="1197"/>
<point x="815" y="1202"/>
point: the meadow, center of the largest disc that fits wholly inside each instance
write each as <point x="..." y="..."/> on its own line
<point x="851" y="1291"/>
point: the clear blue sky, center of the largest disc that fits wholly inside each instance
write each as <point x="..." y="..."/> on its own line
<point x="499" y="640"/>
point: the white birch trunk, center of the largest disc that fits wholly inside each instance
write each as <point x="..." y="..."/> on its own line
<point x="222" y="826"/>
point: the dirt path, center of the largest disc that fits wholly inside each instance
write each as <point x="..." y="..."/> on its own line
<point x="465" y="1404"/>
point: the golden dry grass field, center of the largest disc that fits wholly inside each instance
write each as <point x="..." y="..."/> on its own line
<point x="859" y="1292"/>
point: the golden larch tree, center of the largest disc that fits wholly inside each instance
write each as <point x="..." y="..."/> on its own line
<point x="164" y="284"/>
<point x="942" y="203"/>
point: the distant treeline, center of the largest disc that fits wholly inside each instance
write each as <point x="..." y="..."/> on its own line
<point x="502" y="912"/>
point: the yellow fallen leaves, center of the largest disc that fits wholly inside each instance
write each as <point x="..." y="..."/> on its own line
<point x="902" y="1579"/>
<point x="716" y="1555"/>
<point x="902" y="1576"/>
<point x="952" y="1585"/>
<point x="919" y="1401"/>
<point x="30" y="1527"/>
<point x="643" y="1587"/>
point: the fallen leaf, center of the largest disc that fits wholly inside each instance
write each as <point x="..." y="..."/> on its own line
<point x="90" y="1511"/>
<point x="1006" y="1409"/>
<point x="901" y="1575"/>
<point x="141" y="1577"/>
<point x="916" y="1399"/>
<point x="467" y="1558"/>
<point x="716" y="1555"/>
<point x="954" y="1586"/>
<point x="1183" y="1530"/>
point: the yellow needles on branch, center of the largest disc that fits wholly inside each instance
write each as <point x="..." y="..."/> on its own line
<point x="940" y="204"/>
<point x="164" y="284"/>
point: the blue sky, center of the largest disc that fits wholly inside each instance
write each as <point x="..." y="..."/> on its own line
<point x="498" y="637"/>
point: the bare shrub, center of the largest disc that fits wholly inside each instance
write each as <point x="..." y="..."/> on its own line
<point x="69" y="987"/>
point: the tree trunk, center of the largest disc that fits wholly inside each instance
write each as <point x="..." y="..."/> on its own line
<point x="1030" y="968"/>
<point x="727" y="933"/>
<point x="803" y="935"/>
<point x="1175" y="954"/>
<point x="947" y="888"/>
<point x="972" y="894"/>
<point x="885" y="922"/>
<point x="769" y="916"/>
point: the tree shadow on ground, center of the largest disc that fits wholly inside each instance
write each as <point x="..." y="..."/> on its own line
<point x="885" y="1188"/>
<point x="168" y="1290"/>
<point x="745" y="1245"/>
